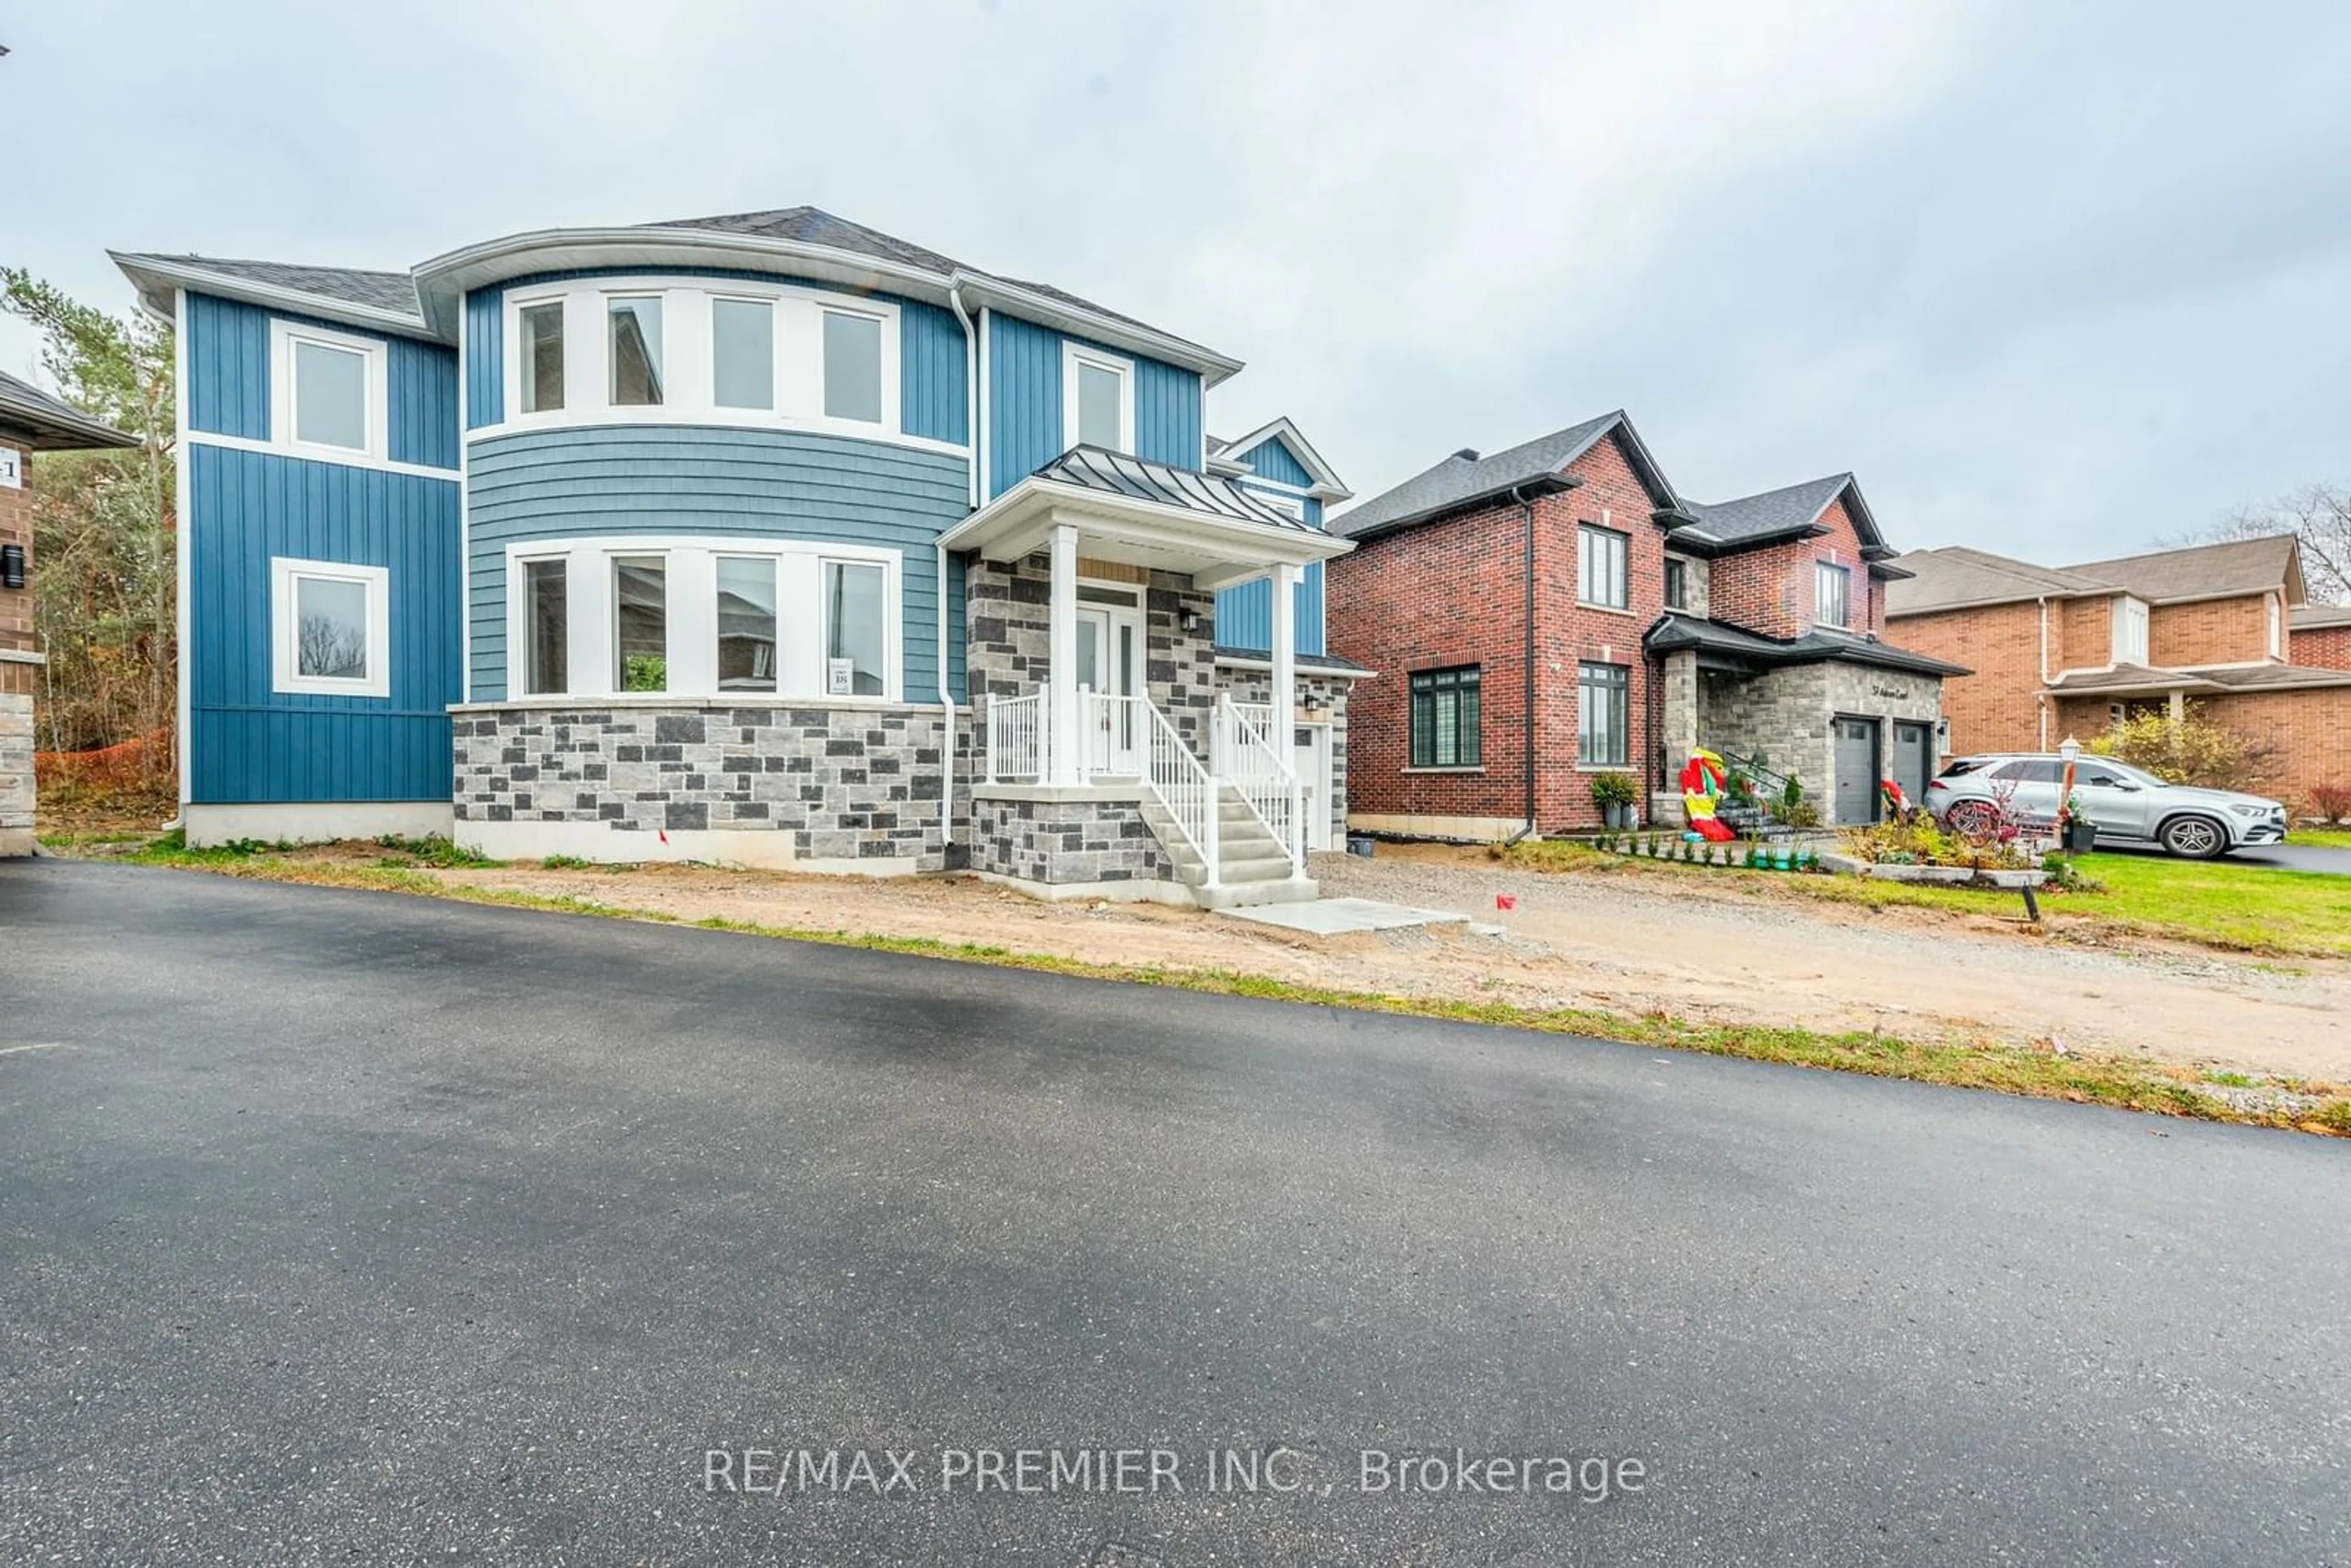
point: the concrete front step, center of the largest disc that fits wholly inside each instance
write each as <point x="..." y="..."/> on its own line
<point x="1253" y="868"/>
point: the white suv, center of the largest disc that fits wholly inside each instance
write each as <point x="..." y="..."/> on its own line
<point x="2123" y="803"/>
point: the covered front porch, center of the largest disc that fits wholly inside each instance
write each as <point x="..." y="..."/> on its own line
<point x="1112" y="760"/>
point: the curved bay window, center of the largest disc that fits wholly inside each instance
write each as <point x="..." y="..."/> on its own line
<point x="703" y="617"/>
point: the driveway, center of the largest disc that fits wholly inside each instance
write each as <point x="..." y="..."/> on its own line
<point x="348" y="1227"/>
<point x="2300" y="857"/>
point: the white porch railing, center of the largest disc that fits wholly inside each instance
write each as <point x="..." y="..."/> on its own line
<point x="1247" y="757"/>
<point x="1017" y="747"/>
<point x="1110" y="734"/>
<point x="1184" y="790"/>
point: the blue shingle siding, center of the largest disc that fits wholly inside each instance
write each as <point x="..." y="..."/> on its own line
<point x="1024" y="372"/>
<point x="249" y="744"/>
<point x="229" y="370"/>
<point x="709" y="479"/>
<point x="1272" y="459"/>
<point x="932" y="383"/>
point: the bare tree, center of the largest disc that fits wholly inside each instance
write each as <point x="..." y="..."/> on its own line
<point x="2321" y="515"/>
<point x="332" y="648"/>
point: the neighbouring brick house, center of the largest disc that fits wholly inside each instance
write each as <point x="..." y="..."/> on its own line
<point x="2318" y="636"/>
<point x="1557" y="610"/>
<point x="2075" y="650"/>
<point x="30" y="421"/>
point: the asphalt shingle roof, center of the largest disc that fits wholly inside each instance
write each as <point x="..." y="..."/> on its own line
<point x="1115" y="474"/>
<point x="1460" y="479"/>
<point x="378" y="290"/>
<point x="2312" y="616"/>
<point x="814" y="225"/>
<point x="2201" y="571"/>
<point x="1768" y="515"/>
<point x="51" y="423"/>
<point x="1676" y="631"/>
<point x="1955" y="577"/>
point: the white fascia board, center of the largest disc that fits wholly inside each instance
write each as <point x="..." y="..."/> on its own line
<point x="1035" y="504"/>
<point x="1326" y="486"/>
<point x="1010" y="298"/>
<point x="147" y="273"/>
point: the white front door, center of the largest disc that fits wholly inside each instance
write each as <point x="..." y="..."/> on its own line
<point x="1110" y="662"/>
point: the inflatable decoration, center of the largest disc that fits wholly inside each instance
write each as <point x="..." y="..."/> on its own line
<point x="1702" y="784"/>
<point x="1898" y="805"/>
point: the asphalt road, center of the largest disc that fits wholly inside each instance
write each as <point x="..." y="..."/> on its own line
<point x="350" y="1228"/>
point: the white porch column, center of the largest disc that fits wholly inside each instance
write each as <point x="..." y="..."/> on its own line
<point x="1061" y="655"/>
<point x="1284" y="723"/>
<point x="1285" y="657"/>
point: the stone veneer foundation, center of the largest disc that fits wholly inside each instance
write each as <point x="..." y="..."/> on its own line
<point x="17" y="792"/>
<point x="814" y="785"/>
<point x="1071" y="844"/>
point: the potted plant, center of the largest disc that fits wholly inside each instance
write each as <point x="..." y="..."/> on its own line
<point x="1614" y="793"/>
<point x="2081" y="834"/>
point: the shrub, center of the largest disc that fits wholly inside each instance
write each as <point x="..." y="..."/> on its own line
<point x="562" y="862"/>
<point x="2190" y="749"/>
<point x="1613" y="790"/>
<point x="2330" y="804"/>
<point x="1919" y="840"/>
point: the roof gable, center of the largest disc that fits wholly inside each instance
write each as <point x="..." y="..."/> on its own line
<point x="1467" y="478"/>
<point x="2206" y="572"/>
<point x="1320" y="477"/>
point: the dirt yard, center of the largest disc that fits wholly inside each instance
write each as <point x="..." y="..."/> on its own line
<point x="1611" y="941"/>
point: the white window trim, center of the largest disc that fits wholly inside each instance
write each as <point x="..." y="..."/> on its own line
<point x="1819" y="618"/>
<point x="286" y="676"/>
<point x="891" y="366"/>
<point x="1624" y="543"/>
<point x="375" y="419"/>
<point x="689" y="386"/>
<point x="1076" y="354"/>
<point x="691" y="575"/>
<point x="2119" y="652"/>
<point x="710" y="304"/>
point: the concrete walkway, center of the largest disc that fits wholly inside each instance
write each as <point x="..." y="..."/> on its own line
<point x="1344" y="916"/>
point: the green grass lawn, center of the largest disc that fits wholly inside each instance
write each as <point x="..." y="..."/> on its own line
<point x="2223" y="903"/>
<point x="2229" y="903"/>
<point x="2321" y="838"/>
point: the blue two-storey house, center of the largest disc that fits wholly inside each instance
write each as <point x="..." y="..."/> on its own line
<point x="766" y="539"/>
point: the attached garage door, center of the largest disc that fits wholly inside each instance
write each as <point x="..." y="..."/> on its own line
<point x="1856" y="770"/>
<point x="1914" y="760"/>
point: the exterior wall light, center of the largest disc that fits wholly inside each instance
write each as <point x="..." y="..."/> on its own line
<point x="11" y="566"/>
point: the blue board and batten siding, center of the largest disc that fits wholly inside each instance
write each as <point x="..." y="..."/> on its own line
<point x="1025" y="407"/>
<point x="1245" y="613"/>
<point x="229" y="370"/>
<point x="934" y="385"/>
<point x="251" y="743"/>
<point x="248" y="742"/>
<point x="599" y="481"/>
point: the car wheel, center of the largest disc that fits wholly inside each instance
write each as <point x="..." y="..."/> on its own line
<point x="1973" y="819"/>
<point x="2194" y="838"/>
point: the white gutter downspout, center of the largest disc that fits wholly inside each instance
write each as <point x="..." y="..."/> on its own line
<point x="972" y="427"/>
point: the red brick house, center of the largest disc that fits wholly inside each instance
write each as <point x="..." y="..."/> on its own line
<point x="2073" y="650"/>
<point x="30" y="421"/>
<point x="1559" y="610"/>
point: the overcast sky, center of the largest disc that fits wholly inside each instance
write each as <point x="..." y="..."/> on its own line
<point x="2061" y="280"/>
